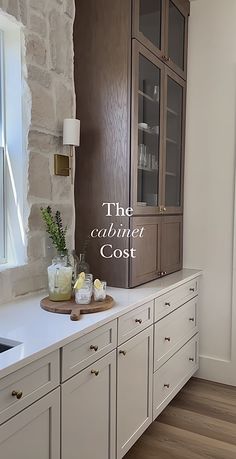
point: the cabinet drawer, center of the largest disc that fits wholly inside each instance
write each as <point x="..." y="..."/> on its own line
<point x="84" y="351"/>
<point x="135" y="321"/>
<point x="175" y="298"/>
<point x="33" y="381"/>
<point x="172" y="376"/>
<point x="172" y="332"/>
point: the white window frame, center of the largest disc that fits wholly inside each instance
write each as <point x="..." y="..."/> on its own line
<point x="3" y="203"/>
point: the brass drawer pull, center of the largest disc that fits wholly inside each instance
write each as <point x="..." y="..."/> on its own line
<point x="94" y="348"/>
<point x="17" y="394"/>
<point x="167" y="386"/>
<point x="122" y="352"/>
<point x="139" y="321"/>
<point x="192" y="289"/>
<point x="95" y="372"/>
<point x="191" y="319"/>
<point x="167" y="304"/>
<point x="167" y="339"/>
<point x="191" y="359"/>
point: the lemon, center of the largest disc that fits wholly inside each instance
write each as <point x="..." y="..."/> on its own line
<point x="82" y="275"/>
<point x="79" y="283"/>
<point x="97" y="284"/>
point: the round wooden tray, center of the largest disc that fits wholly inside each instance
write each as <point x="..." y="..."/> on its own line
<point x="74" y="309"/>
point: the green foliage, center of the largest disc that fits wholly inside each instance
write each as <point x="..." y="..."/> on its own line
<point x="55" y="229"/>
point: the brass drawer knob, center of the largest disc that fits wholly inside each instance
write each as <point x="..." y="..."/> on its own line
<point x="94" y="348"/>
<point x="95" y="372"/>
<point x="122" y="352"/>
<point x="139" y="321"/>
<point x="192" y="289"/>
<point x="167" y="304"/>
<point x="17" y="394"/>
<point x="167" y="338"/>
<point x="191" y="359"/>
<point x="191" y="319"/>
<point x="164" y="209"/>
<point x="167" y="386"/>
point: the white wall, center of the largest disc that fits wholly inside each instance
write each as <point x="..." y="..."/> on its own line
<point x="209" y="179"/>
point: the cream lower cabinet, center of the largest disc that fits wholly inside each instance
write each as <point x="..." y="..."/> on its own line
<point x="33" y="433"/>
<point x="134" y="389"/>
<point x="88" y="412"/>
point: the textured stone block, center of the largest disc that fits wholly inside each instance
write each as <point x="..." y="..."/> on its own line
<point x="38" y="25"/>
<point x="36" y="246"/>
<point x="36" y="50"/>
<point x="43" y="110"/>
<point x="13" y="8"/>
<point x="35" y="222"/>
<point x="40" y="184"/>
<point x="64" y="103"/>
<point x="60" y="33"/>
<point x="69" y="8"/>
<point x="23" y="11"/>
<point x="39" y="5"/>
<point x="40" y="75"/>
<point x="62" y="189"/>
<point x="46" y="143"/>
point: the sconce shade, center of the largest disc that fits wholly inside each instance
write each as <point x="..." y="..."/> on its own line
<point x="71" y="132"/>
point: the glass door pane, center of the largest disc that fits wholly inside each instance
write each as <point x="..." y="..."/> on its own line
<point x="176" y="35"/>
<point x="150" y="20"/>
<point x="148" y="133"/>
<point x="173" y="166"/>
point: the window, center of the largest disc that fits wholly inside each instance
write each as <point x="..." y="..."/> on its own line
<point x="2" y="161"/>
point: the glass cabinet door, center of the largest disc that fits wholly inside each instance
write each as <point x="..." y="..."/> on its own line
<point x="177" y="37"/>
<point x="148" y="24"/>
<point x="147" y="95"/>
<point x="174" y="142"/>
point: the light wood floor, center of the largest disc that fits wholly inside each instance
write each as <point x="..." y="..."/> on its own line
<point x="199" y="423"/>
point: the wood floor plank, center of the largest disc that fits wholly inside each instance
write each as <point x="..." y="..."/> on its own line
<point x="200" y="423"/>
<point x="180" y="444"/>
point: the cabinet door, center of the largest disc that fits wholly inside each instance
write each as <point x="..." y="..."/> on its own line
<point x="149" y="24"/>
<point x="134" y="389"/>
<point x="147" y="131"/>
<point x="174" y="143"/>
<point x="177" y="12"/>
<point x="88" y="412"/>
<point x="35" y="432"/>
<point x="171" y="244"/>
<point x="147" y="262"/>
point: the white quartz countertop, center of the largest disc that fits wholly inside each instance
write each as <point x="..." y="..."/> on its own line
<point x="41" y="332"/>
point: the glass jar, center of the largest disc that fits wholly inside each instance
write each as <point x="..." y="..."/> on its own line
<point x="82" y="265"/>
<point x="60" y="279"/>
<point x="83" y="295"/>
<point x="100" y="294"/>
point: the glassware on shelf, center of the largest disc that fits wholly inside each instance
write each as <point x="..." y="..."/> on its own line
<point x="142" y="155"/>
<point x="154" y="163"/>
<point x="100" y="290"/>
<point x="60" y="279"/>
<point x="156" y="93"/>
<point x="82" y="265"/>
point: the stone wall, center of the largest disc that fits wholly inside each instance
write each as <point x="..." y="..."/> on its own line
<point x="48" y="32"/>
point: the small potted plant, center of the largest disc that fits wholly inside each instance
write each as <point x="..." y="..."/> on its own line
<point x="60" y="272"/>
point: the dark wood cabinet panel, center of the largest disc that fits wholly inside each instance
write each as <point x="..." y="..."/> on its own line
<point x="146" y="265"/>
<point x="171" y="243"/>
<point x="102" y="32"/>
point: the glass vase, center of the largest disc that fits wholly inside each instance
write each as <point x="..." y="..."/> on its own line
<point x="82" y="265"/>
<point x="60" y="279"/>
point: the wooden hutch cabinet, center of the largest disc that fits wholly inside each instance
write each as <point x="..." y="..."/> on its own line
<point x="130" y="80"/>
